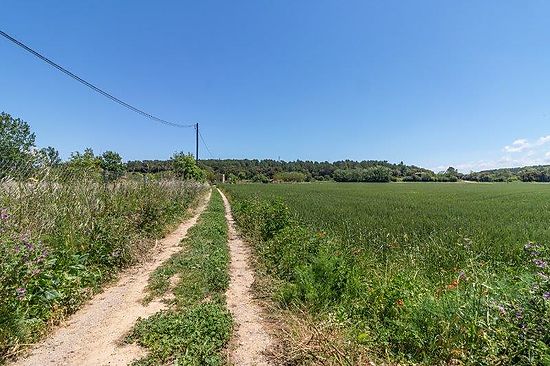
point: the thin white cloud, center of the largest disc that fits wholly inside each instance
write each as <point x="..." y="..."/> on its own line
<point x="520" y="152"/>
<point x="517" y="146"/>
<point x="543" y="140"/>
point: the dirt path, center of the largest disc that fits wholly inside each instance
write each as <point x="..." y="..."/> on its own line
<point x="250" y="339"/>
<point x="93" y="335"/>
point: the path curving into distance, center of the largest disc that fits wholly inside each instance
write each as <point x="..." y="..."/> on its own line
<point x="94" y="334"/>
<point x="250" y="338"/>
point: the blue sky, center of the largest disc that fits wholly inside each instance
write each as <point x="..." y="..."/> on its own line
<point x="432" y="83"/>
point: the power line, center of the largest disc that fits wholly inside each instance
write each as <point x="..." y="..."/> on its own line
<point x="206" y="146"/>
<point x="90" y="85"/>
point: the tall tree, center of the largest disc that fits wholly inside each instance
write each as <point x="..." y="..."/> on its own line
<point x="17" y="143"/>
<point x="185" y="166"/>
<point x="49" y="156"/>
<point x="112" y="165"/>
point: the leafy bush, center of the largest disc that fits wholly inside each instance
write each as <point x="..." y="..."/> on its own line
<point x="185" y="166"/>
<point x="290" y="177"/>
<point x="260" y="178"/>
<point x="379" y="174"/>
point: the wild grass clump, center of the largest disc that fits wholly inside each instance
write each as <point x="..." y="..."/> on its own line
<point x="193" y="336"/>
<point x="197" y="326"/>
<point x="62" y="239"/>
<point x="413" y="274"/>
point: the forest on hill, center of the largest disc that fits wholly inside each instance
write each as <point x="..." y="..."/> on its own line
<point x="267" y="170"/>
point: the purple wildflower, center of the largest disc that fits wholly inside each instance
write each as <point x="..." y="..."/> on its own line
<point x="540" y="263"/>
<point x="21" y="291"/>
<point x="41" y="257"/>
<point x="4" y="214"/>
<point x="501" y="310"/>
<point x="28" y="245"/>
<point x="546" y="295"/>
<point x="528" y="246"/>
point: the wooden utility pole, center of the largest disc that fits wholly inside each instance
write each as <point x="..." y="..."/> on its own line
<point x="197" y="141"/>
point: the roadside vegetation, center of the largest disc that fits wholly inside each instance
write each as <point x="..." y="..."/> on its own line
<point x="68" y="227"/>
<point x="409" y="274"/>
<point x="197" y="326"/>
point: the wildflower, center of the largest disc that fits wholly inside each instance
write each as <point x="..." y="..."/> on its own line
<point x="540" y="263"/>
<point x="400" y="302"/>
<point x="546" y="295"/>
<point x="528" y="246"/>
<point x="28" y="245"/>
<point x="21" y="291"/>
<point x="452" y="285"/>
<point x="4" y="214"/>
<point x="501" y="310"/>
<point x="462" y="276"/>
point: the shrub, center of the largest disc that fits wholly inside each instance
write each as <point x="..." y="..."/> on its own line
<point x="375" y="174"/>
<point x="185" y="166"/>
<point x="290" y="177"/>
<point x="260" y="178"/>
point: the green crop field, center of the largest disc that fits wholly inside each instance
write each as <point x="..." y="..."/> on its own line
<point x="414" y="272"/>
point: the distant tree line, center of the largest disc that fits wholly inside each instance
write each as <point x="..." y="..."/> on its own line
<point x="536" y="173"/>
<point x="264" y="171"/>
<point x="20" y="158"/>
<point x="267" y="170"/>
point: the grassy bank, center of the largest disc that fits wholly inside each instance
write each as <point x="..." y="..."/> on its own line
<point x="197" y="326"/>
<point x="61" y="240"/>
<point x="429" y="274"/>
